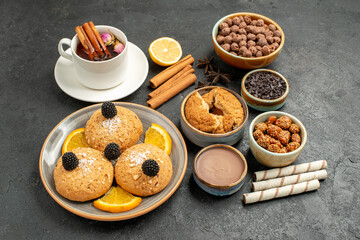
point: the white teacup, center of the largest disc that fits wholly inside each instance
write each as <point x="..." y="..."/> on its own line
<point x="97" y="74"/>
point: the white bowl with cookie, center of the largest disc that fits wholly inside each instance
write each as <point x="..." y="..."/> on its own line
<point x="212" y="114"/>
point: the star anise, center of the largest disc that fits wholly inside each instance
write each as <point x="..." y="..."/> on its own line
<point x="215" y="77"/>
<point x="202" y="84"/>
<point x="207" y="64"/>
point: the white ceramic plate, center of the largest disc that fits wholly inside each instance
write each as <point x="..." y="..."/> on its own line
<point x="51" y="152"/>
<point x="135" y="75"/>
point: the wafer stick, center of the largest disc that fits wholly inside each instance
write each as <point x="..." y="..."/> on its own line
<point x="288" y="180"/>
<point x="290" y="170"/>
<point x="281" y="191"/>
<point x="170" y="71"/>
<point x="172" y="81"/>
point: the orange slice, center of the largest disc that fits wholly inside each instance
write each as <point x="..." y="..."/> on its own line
<point x="74" y="140"/>
<point x="159" y="137"/>
<point x="117" y="200"/>
<point x="165" y="51"/>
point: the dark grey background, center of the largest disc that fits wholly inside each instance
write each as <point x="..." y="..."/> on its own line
<point x="320" y="59"/>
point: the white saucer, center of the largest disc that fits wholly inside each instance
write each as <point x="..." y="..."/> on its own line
<point x="136" y="74"/>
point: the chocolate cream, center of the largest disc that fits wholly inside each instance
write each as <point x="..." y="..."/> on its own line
<point x="219" y="166"/>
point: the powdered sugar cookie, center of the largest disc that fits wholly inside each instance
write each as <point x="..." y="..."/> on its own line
<point x="114" y="124"/>
<point x="83" y="174"/>
<point x="143" y="169"/>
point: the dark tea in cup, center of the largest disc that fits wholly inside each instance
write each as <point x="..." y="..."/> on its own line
<point x="81" y="52"/>
<point x="96" y="47"/>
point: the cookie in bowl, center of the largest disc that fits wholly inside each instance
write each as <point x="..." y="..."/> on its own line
<point x="143" y="169"/>
<point x="217" y="111"/>
<point x="83" y="174"/>
<point x="113" y="124"/>
<point x="213" y="115"/>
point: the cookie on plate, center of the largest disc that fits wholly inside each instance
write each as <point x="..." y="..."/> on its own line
<point x="83" y="174"/>
<point x="143" y="169"/>
<point x="113" y="124"/>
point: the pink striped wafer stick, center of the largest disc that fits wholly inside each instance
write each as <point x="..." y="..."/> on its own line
<point x="288" y="180"/>
<point x="290" y="170"/>
<point x="281" y="191"/>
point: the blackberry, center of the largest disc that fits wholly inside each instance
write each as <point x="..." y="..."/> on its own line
<point x="108" y="110"/>
<point x="150" y="167"/>
<point x="112" y="151"/>
<point x="70" y="161"/>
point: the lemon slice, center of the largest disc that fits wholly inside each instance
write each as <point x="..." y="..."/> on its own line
<point x="74" y="140"/>
<point x="159" y="137"/>
<point x="165" y="51"/>
<point x="117" y="200"/>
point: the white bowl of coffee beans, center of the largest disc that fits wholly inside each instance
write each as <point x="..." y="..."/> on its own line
<point x="247" y="40"/>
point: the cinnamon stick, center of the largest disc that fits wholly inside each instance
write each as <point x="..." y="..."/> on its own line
<point x="99" y="39"/>
<point x="92" y="38"/>
<point x="84" y="42"/>
<point x="92" y="49"/>
<point x="180" y="61"/>
<point x="165" y="96"/>
<point x="172" y="81"/>
<point x="170" y="71"/>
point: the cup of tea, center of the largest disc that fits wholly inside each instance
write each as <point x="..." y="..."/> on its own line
<point x="97" y="73"/>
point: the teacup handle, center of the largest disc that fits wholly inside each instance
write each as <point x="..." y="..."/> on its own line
<point x="64" y="41"/>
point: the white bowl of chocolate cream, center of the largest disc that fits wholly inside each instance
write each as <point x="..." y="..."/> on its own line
<point x="220" y="169"/>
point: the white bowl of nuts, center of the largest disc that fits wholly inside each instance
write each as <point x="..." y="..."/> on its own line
<point x="276" y="138"/>
<point x="247" y="40"/>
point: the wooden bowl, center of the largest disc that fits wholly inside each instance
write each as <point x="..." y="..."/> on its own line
<point x="243" y="62"/>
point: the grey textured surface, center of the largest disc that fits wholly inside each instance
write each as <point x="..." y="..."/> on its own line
<point x="320" y="59"/>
